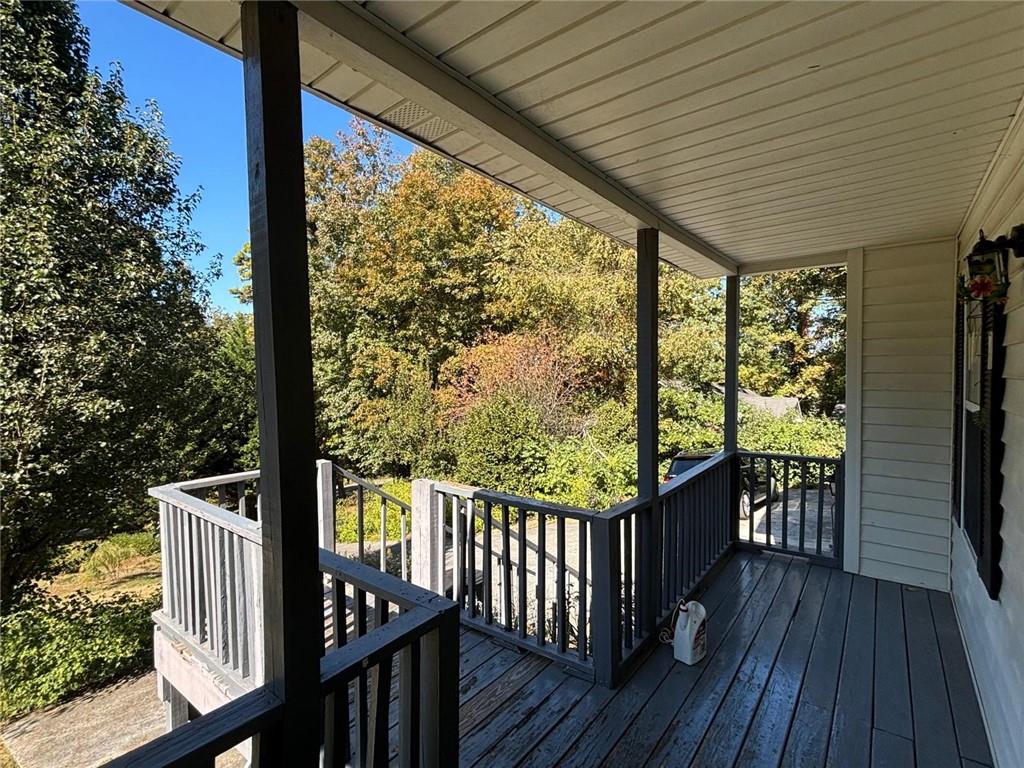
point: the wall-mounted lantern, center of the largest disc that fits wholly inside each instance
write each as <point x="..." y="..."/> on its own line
<point x="987" y="278"/>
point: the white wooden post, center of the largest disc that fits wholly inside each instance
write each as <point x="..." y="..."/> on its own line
<point x="325" y="503"/>
<point x="426" y="547"/>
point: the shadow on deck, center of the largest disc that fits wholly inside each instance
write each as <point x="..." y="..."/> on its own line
<point x="806" y="666"/>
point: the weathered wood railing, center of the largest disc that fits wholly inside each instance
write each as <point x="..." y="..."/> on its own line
<point x="212" y="573"/>
<point x="650" y="553"/>
<point x="389" y="674"/>
<point x="368" y="496"/>
<point x="792" y="504"/>
<point x="518" y="568"/>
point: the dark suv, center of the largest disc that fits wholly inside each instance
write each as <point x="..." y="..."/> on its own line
<point x="763" y="487"/>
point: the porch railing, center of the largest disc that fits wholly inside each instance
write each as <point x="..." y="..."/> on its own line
<point x="212" y="571"/>
<point x="792" y="504"/>
<point x="650" y="553"/>
<point x="381" y="633"/>
<point x="392" y="554"/>
<point x="517" y="567"/>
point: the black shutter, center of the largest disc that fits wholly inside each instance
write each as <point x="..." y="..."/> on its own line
<point x="958" y="413"/>
<point x="993" y="386"/>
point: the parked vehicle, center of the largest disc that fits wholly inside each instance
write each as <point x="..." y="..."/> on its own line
<point x="764" y="487"/>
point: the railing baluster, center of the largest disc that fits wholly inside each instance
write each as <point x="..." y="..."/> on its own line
<point x="240" y="493"/>
<point x="403" y="546"/>
<point x="752" y="491"/>
<point x="362" y="683"/>
<point x="458" y="569"/>
<point x="383" y="535"/>
<point x="785" y="503"/>
<point x="506" y="563"/>
<point x="627" y="578"/>
<point x="440" y="499"/>
<point x="541" y="576"/>
<point x="581" y="634"/>
<point x="821" y="506"/>
<point x="409" y="706"/>
<point x="360" y="530"/>
<point x="522" y="575"/>
<point x="561" y="609"/>
<point x="471" y="555"/>
<point x="488" y="608"/>
<point x="803" y="503"/>
<point x="769" y="484"/>
<point x="246" y="619"/>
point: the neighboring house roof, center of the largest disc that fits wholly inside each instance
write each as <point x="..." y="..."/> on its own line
<point x="779" y="406"/>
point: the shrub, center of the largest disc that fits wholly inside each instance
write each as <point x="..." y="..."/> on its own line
<point x="55" y="647"/>
<point x="346" y="524"/>
<point x="114" y="555"/>
<point x="501" y="444"/>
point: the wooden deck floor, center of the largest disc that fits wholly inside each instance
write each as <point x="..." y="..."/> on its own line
<point x="806" y="666"/>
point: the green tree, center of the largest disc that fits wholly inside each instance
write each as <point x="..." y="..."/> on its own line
<point x="102" y="318"/>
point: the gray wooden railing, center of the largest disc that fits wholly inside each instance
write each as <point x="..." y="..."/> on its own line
<point x="650" y="553"/>
<point x="368" y="496"/>
<point x="792" y="504"/>
<point x="517" y="567"/>
<point x="212" y="571"/>
<point x="382" y="634"/>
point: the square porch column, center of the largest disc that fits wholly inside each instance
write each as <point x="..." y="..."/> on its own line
<point x="649" y="523"/>
<point x="292" y="589"/>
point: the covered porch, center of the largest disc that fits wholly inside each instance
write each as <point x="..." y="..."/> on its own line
<point x="720" y="149"/>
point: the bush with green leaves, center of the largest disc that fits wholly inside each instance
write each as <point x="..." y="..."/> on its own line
<point x="113" y="555"/>
<point x="347" y="517"/>
<point x="53" y="648"/>
<point x="501" y="444"/>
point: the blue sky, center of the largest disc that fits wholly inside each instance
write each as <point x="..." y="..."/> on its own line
<point x="199" y="91"/>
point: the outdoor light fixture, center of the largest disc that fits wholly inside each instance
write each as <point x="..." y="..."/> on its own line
<point x="987" y="277"/>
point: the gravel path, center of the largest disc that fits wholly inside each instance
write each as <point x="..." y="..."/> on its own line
<point x="93" y="728"/>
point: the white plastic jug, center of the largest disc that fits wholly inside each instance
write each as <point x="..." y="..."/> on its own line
<point x="690" y="643"/>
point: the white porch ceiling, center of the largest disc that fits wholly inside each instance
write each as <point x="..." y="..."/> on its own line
<point x="749" y="133"/>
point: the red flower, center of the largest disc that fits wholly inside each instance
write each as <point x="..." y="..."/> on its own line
<point x="981" y="287"/>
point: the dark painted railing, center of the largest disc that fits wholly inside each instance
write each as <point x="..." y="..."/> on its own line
<point x="386" y="634"/>
<point x="648" y="554"/>
<point x="518" y="568"/>
<point x="792" y="504"/>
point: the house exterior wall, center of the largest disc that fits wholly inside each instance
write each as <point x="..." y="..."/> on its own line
<point x="993" y="630"/>
<point x="898" y="519"/>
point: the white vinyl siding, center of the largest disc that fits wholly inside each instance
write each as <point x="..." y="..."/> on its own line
<point x="993" y="630"/>
<point x="906" y="413"/>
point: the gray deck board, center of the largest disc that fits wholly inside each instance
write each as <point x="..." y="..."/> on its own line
<point x="970" y="728"/>
<point x="850" y="740"/>
<point x="934" y="738"/>
<point x="724" y="600"/>
<point x="806" y="666"/>
<point x="767" y="733"/>
<point x="808" y="735"/>
<point x="892" y="683"/>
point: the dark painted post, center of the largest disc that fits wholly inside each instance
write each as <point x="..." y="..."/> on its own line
<point x="731" y="426"/>
<point x="606" y="609"/>
<point x="647" y="423"/>
<point x="292" y="591"/>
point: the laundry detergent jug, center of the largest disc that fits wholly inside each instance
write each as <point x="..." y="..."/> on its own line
<point x="690" y="642"/>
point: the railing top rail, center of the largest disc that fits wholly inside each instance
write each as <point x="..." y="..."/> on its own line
<point x="384" y="585"/>
<point x="229" y="521"/>
<point x="375" y="489"/>
<point x="629" y="506"/>
<point x="789" y="456"/>
<point x="341" y="665"/>
<point x="692" y="474"/>
<point x="210" y="482"/>
<point x="520" y="502"/>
